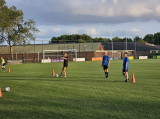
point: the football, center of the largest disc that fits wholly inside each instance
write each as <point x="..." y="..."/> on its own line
<point x="7" y="89"/>
<point x="56" y="75"/>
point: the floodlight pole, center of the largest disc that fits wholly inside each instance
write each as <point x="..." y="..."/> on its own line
<point x="84" y="50"/>
<point x="43" y="56"/>
<point x="126" y="40"/>
<point x="112" y="43"/>
<point x="135" y="48"/>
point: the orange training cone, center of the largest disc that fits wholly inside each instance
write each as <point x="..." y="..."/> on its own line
<point x="133" y="78"/>
<point x="0" y="93"/>
<point x="53" y="74"/>
<point x="9" y="70"/>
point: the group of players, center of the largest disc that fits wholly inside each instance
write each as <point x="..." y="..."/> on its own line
<point x="105" y="65"/>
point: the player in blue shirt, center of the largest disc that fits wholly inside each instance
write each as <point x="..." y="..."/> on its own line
<point x="105" y="63"/>
<point x="126" y="66"/>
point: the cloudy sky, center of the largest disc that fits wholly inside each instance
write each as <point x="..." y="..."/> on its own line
<point x="93" y="17"/>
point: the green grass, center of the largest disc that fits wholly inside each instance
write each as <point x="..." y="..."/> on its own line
<point x="84" y="94"/>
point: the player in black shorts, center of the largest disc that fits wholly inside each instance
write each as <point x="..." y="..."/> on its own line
<point x="65" y="65"/>
<point x="105" y="64"/>
<point x="3" y="64"/>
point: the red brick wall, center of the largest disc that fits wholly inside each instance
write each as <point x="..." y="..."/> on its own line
<point x="31" y="57"/>
<point x="100" y="54"/>
<point x="87" y="55"/>
<point x="140" y="53"/>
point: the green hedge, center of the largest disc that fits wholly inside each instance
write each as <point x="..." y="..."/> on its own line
<point x="153" y="56"/>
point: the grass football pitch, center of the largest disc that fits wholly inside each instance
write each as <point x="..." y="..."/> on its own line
<point x="83" y="94"/>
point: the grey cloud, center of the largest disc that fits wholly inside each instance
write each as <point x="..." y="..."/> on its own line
<point x="70" y="12"/>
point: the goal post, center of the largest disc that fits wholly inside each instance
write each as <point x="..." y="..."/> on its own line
<point x="55" y="55"/>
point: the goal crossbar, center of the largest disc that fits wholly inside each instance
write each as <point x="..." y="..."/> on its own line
<point x="70" y="50"/>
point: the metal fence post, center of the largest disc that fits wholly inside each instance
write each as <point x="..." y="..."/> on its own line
<point x="79" y="49"/>
<point x="71" y="54"/>
<point x="84" y="50"/>
<point x="92" y="49"/>
<point x="138" y="48"/>
<point x="14" y="51"/>
<point x="27" y="56"/>
<point x="42" y="51"/>
<point x="38" y="57"/>
<point x="34" y="52"/>
<point x="23" y="57"/>
<point x="8" y="53"/>
<point x="135" y="48"/>
<point x="126" y="40"/>
<point x="59" y="45"/>
<point x="43" y="57"/>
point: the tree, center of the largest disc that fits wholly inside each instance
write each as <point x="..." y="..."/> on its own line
<point x="104" y="40"/>
<point x="4" y="19"/>
<point x="116" y="39"/>
<point x="149" y="38"/>
<point x="128" y="40"/>
<point x="81" y="41"/>
<point x="96" y="39"/>
<point x="54" y="40"/>
<point x="138" y="39"/>
<point x="86" y="37"/>
<point x="64" y="37"/>
<point x="100" y="39"/>
<point x="142" y="41"/>
<point x="157" y="38"/>
<point x="15" y="30"/>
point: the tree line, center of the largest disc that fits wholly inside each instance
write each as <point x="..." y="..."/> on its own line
<point x="150" y="38"/>
<point x="13" y="29"/>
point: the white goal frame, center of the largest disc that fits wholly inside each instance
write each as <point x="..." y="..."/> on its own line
<point x="71" y="50"/>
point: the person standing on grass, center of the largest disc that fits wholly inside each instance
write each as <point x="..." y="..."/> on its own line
<point x="105" y="63"/>
<point x="3" y="64"/>
<point x="65" y="65"/>
<point x="126" y="66"/>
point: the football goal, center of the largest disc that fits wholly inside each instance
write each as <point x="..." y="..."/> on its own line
<point x="55" y="55"/>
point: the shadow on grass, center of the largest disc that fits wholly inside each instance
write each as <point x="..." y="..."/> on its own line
<point x="4" y="91"/>
<point x="66" y="80"/>
<point x="73" y="108"/>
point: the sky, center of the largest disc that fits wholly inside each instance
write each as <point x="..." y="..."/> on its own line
<point x="92" y="17"/>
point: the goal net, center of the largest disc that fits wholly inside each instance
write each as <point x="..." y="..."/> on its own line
<point x="55" y="55"/>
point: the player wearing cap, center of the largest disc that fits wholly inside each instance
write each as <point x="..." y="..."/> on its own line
<point x="105" y="63"/>
<point x="126" y="66"/>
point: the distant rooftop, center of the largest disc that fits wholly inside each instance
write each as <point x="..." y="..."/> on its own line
<point x="130" y="46"/>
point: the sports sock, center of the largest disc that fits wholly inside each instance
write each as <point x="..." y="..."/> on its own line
<point x="106" y="73"/>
